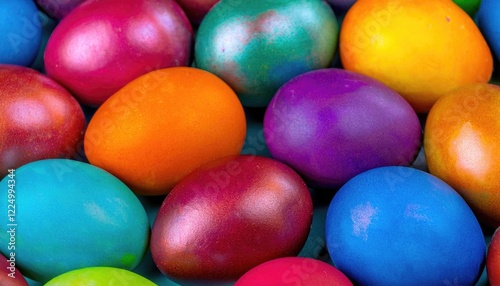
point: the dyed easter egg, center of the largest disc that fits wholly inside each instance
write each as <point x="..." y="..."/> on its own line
<point x="58" y="9"/>
<point x="70" y="215"/>
<point x="20" y="31"/>
<point x="493" y="259"/>
<point x="421" y="49"/>
<point x="402" y="226"/>
<point x="39" y="118"/>
<point x="488" y="20"/>
<point x="9" y="274"/>
<point x="294" y="271"/>
<point x="103" y="45"/>
<point x="100" y="276"/>
<point x="462" y="147"/>
<point x="229" y="216"/>
<point x="196" y="9"/>
<point x="164" y="125"/>
<point x="469" y="6"/>
<point x="333" y="124"/>
<point x="257" y="46"/>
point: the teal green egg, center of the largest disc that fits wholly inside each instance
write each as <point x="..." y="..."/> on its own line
<point x="70" y="215"/>
<point x="257" y="46"/>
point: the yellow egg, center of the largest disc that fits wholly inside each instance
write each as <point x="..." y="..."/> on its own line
<point x="421" y="49"/>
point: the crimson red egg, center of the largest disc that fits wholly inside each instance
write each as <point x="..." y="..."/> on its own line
<point x="103" y="45"/>
<point x="294" y="271"/>
<point x="9" y="274"/>
<point x="39" y="119"/>
<point x="493" y="259"/>
<point x="229" y="216"/>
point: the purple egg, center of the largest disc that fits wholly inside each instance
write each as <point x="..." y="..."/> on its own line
<point x="332" y="124"/>
<point x="341" y="5"/>
<point x="58" y="9"/>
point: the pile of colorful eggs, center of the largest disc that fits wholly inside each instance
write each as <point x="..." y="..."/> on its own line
<point x="263" y="142"/>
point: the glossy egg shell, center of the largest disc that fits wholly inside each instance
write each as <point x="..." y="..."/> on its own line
<point x="103" y="45"/>
<point x="493" y="259"/>
<point x="100" y="276"/>
<point x="461" y="146"/>
<point x="21" y="32"/>
<point x="256" y="46"/>
<point x="9" y="274"/>
<point x="488" y="21"/>
<point x="299" y="270"/>
<point x="58" y="9"/>
<point x="421" y="49"/>
<point x="402" y="226"/>
<point x="333" y="124"/>
<point x="164" y="125"/>
<point x="71" y="215"/>
<point x="229" y="216"/>
<point x="39" y="119"/>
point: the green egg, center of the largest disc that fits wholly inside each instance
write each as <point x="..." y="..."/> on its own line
<point x="256" y="46"/>
<point x="100" y="276"/>
<point x="469" y="6"/>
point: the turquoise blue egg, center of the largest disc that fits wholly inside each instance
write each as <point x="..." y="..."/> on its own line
<point x="71" y="215"/>
<point x="20" y="32"/>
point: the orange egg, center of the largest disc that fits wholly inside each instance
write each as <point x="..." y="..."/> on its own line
<point x="421" y="49"/>
<point x="461" y="143"/>
<point x="163" y="125"/>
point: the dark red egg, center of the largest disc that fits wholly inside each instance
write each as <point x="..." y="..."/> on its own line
<point x="9" y="274"/>
<point x="229" y="216"/>
<point x="103" y="45"/>
<point x="493" y="259"/>
<point x="39" y="119"/>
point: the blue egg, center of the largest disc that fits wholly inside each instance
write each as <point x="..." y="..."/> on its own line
<point x="69" y="215"/>
<point x="488" y="20"/>
<point x="20" y="32"/>
<point x="402" y="226"/>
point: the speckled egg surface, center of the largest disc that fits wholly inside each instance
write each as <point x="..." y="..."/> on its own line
<point x="256" y="46"/>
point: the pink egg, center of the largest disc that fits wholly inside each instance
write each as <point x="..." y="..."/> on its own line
<point x="229" y="216"/>
<point x="39" y="119"/>
<point x="294" y="271"/>
<point x="102" y="45"/>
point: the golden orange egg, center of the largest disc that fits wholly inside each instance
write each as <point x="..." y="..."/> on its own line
<point x="163" y="125"/>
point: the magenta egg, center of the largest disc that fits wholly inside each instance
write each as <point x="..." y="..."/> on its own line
<point x="294" y="271"/>
<point x="102" y="45"/>
<point x="332" y="124"/>
<point x="58" y="9"/>
<point x="229" y="216"/>
<point x="39" y="119"/>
